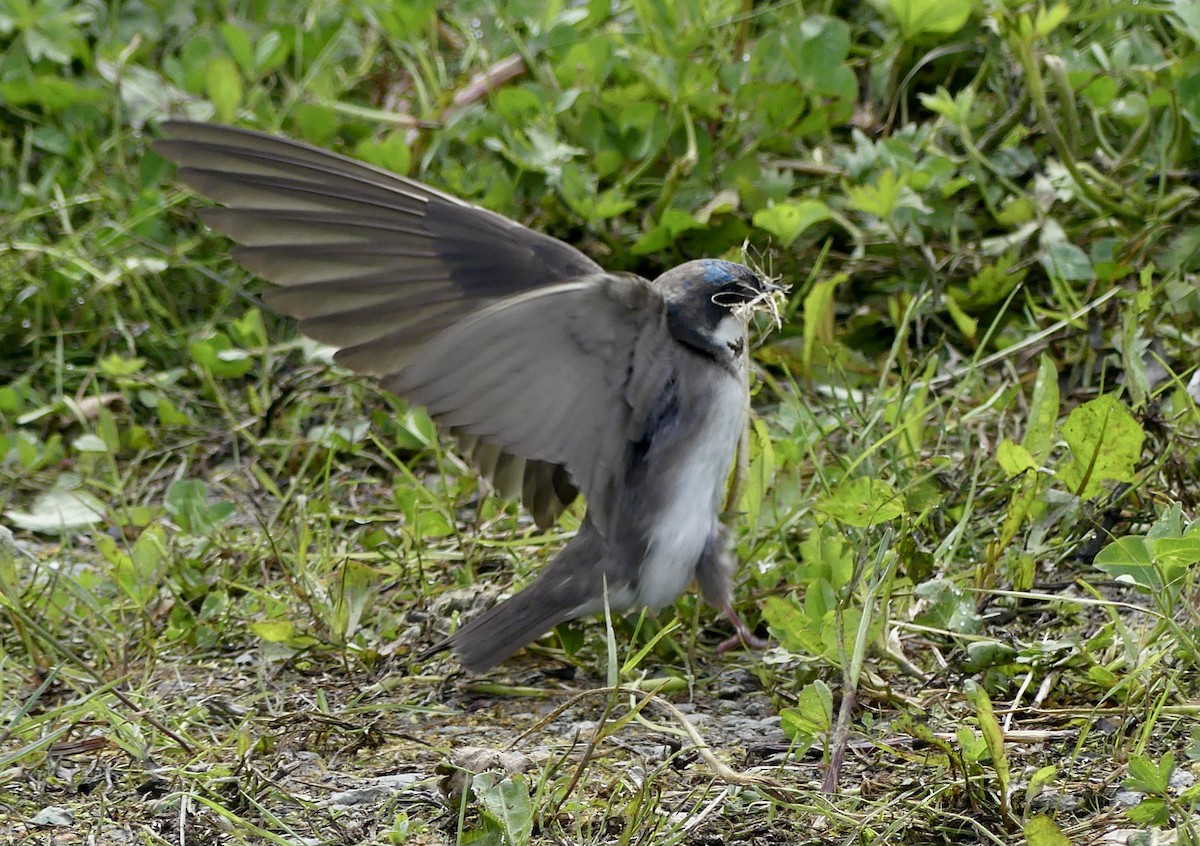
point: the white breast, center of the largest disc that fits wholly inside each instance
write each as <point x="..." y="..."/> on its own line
<point x="694" y="488"/>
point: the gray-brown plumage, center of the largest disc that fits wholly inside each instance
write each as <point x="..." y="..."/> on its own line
<point x="559" y="378"/>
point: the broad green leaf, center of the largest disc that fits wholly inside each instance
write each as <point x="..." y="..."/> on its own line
<point x="818" y="317"/>
<point x="391" y="153"/>
<point x="274" y="631"/>
<point x="993" y="736"/>
<point x="270" y="52"/>
<point x="1105" y="442"/>
<point x="757" y="483"/>
<point x="789" y="623"/>
<point x="984" y="654"/>
<point x="1130" y="558"/>
<point x="187" y="502"/>
<point x="862" y="502"/>
<point x="1047" y="20"/>
<point x="238" y="42"/>
<point x="52" y="93"/>
<point x="813" y="714"/>
<point x="1043" y="831"/>
<point x="827" y="555"/>
<point x="1176" y="554"/>
<point x="786" y="221"/>
<point x="1014" y="459"/>
<point x="115" y="364"/>
<point x="355" y="590"/>
<point x="948" y="608"/>
<point x="1187" y="17"/>
<point x="249" y="329"/>
<point x="223" y="85"/>
<point x="168" y="415"/>
<point x="217" y="354"/>
<point x="1043" y="412"/>
<point x="1150" y="778"/>
<point x="506" y="802"/>
<point x="89" y="443"/>
<point x="672" y="224"/>
<point x="879" y="199"/>
<point x="1067" y="262"/>
<point x="58" y="511"/>
<point x="822" y="52"/>
<point x="10" y="400"/>
<point x="1040" y="778"/>
<point x="932" y="17"/>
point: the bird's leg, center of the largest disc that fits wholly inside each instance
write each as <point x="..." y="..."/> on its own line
<point x="744" y="636"/>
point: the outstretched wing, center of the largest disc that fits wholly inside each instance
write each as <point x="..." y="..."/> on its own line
<point x="569" y="375"/>
<point x="393" y="272"/>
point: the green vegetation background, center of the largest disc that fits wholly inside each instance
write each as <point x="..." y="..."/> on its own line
<point x="975" y="436"/>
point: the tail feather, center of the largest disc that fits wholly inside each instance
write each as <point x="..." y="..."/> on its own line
<point x="502" y="630"/>
<point x="568" y="587"/>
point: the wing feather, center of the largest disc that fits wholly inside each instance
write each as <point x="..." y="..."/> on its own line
<point x="382" y="267"/>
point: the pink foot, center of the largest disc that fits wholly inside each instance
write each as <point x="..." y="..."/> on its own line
<point x="744" y="636"/>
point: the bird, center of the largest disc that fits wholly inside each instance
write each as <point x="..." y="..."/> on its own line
<point x="556" y="377"/>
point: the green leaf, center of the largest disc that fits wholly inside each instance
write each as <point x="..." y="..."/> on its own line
<point x="270" y="52"/>
<point x="815" y="703"/>
<point x="59" y="511"/>
<point x="1043" y="831"/>
<point x="966" y="324"/>
<point x="355" y="590"/>
<point x="672" y="224"/>
<point x="827" y="555"/>
<point x="1150" y="778"/>
<point x="168" y="415"/>
<point x="1129" y="558"/>
<point x="818" y="317"/>
<point x="217" y="354"/>
<point x="138" y="573"/>
<point x="1105" y="442"/>
<point x="11" y="401"/>
<point x="880" y="199"/>
<point x="52" y="93"/>
<point x="89" y="443"/>
<point x="223" y="86"/>
<point x="1175" y="555"/>
<point x="506" y="803"/>
<point x="1066" y="261"/>
<point x="238" y="42"/>
<point x="116" y="365"/>
<point x="1187" y="17"/>
<point x="1150" y="812"/>
<point x="187" y="502"/>
<point x="787" y="220"/>
<point x="934" y="17"/>
<point x="984" y="654"/>
<point x="1014" y="459"/>
<point x="1047" y="20"/>
<point x="788" y="623"/>
<point x="274" y="631"/>
<point x="760" y="473"/>
<point x="1043" y="412"/>
<point x="862" y="502"/>
<point x="249" y="329"/>
<point x="392" y="153"/>
<point x="948" y="608"/>
<point x="993" y="736"/>
<point x="812" y="716"/>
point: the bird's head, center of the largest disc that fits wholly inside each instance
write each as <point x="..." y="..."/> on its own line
<point x="710" y="299"/>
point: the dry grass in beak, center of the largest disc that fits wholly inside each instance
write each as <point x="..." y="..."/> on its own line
<point x="768" y="299"/>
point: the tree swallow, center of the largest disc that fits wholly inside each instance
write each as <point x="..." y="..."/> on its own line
<point x="557" y="377"/>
